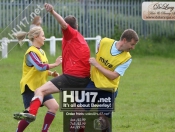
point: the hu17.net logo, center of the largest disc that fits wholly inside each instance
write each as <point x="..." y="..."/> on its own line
<point x="158" y="10"/>
<point x="86" y="99"/>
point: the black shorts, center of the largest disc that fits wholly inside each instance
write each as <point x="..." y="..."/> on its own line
<point x="29" y="94"/>
<point x="67" y="81"/>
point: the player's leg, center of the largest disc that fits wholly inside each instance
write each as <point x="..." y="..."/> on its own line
<point x="27" y="96"/>
<point x="52" y="107"/>
<point x="37" y="100"/>
<point x="47" y="88"/>
<point x="53" y="86"/>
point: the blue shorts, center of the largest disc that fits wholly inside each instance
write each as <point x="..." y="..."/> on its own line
<point x="28" y="95"/>
<point x="102" y="94"/>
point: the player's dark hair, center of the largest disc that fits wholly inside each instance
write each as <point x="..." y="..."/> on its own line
<point x="129" y="34"/>
<point x="72" y="21"/>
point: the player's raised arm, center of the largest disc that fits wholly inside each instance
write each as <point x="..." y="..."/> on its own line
<point x="59" y="18"/>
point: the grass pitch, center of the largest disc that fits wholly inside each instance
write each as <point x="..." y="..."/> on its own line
<point x="145" y="101"/>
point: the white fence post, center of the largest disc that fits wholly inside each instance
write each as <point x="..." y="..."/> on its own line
<point x="4" y="51"/>
<point x="52" y="45"/>
<point x="4" y="47"/>
<point x="98" y="38"/>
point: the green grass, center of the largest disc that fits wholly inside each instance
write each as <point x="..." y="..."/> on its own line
<point x="145" y="101"/>
<point x="146" y="96"/>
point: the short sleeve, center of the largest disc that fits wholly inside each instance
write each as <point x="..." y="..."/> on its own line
<point x="122" y="68"/>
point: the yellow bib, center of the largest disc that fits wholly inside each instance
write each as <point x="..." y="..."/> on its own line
<point x="108" y="61"/>
<point x="31" y="76"/>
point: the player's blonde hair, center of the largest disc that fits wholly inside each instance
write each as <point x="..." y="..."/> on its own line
<point x="34" y="32"/>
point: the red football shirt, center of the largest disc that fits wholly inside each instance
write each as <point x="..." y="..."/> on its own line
<point x="75" y="53"/>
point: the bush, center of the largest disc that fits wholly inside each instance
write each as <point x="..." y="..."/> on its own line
<point x="155" y="46"/>
<point x="152" y="45"/>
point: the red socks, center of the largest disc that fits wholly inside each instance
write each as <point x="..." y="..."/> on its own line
<point x="34" y="106"/>
<point x="47" y="121"/>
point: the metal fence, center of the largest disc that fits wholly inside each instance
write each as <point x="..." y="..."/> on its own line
<point x="4" y="44"/>
<point x="102" y="17"/>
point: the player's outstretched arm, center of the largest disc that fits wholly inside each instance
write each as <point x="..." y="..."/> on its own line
<point x="59" y="18"/>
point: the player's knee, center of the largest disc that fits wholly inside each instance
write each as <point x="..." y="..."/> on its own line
<point x="39" y="91"/>
<point x="54" y="108"/>
<point x="56" y="105"/>
<point x="38" y="97"/>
